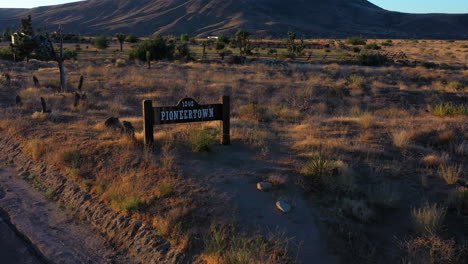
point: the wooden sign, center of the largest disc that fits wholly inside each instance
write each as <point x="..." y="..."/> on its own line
<point x="187" y="110"/>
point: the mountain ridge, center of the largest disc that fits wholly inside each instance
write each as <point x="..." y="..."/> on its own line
<point x="313" y="18"/>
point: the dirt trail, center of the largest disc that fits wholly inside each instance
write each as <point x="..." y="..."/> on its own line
<point x="52" y="231"/>
<point x="234" y="171"/>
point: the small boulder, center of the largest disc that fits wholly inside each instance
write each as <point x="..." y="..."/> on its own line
<point x="127" y="128"/>
<point x="264" y="186"/>
<point x="283" y="206"/>
<point x="113" y="122"/>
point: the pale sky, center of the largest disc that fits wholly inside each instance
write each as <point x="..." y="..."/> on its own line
<point x="411" y="6"/>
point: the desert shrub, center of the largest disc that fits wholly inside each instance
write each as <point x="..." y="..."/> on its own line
<point x="128" y="204"/>
<point x="372" y="59"/>
<point x="402" y="138"/>
<point x="366" y="120"/>
<point x="356" y="41"/>
<point x="165" y="188"/>
<point x="184" y="37"/>
<point x="357" y="81"/>
<point x="356" y="49"/>
<point x="456" y="85"/>
<point x="132" y="39"/>
<point x="37" y="148"/>
<point x="158" y="47"/>
<point x="182" y="51"/>
<point x="387" y="43"/>
<point x="429" y="65"/>
<point x="319" y="172"/>
<point x="458" y="200"/>
<point x="221" y="247"/>
<point x="432" y="250"/>
<point x="449" y="109"/>
<point x="450" y="174"/>
<point x="384" y="195"/>
<point x="120" y="63"/>
<point x="6" y="54"/>
<point x="372" y="46"/>
<point x="202" y="139"/>
<point x="357" y="209"/>
<point x="255" y="112"/>
<point x="234" y="59"/>
<point x="432" y="161"/>
<point x="100" y="42"/>
<point x="462" y="148"/>
<point x="429" y="218"/>
<point x="70" y="157"/>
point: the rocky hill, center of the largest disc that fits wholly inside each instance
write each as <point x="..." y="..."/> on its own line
<point x="311" y="18"/>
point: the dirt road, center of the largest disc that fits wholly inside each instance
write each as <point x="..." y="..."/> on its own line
<point x="52" y="231"/>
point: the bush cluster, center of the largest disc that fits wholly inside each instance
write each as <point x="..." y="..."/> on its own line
<point x="158" y="47"/>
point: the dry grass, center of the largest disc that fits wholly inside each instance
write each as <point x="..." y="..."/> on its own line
<point x="402" y="139"/>
<point x="432" y="161"/>
<point x="432" y="250"/>
<point x="429" y="218"/>
<point x="366" y="120"/>
<point x="222" y="247"/>
<point x="451" y="174"/>
<point x="37" y="148"/>
<point x="282" y="113"/>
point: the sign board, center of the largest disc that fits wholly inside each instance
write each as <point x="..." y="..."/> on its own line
<point x="187" y="110"/>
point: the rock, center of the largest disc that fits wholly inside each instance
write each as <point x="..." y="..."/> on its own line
<point x="128" y="128"/>
<point x="113" y="122"/>
<point x="264" y="186"/>
<point x="283" y="206"/>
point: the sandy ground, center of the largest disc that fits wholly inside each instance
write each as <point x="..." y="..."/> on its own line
<point x="234" y="171"/>
<point x="53" y="231"/>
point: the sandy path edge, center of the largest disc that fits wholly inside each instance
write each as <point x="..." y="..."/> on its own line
<point x="137" y="241"/>
<point x="49" y="230"/>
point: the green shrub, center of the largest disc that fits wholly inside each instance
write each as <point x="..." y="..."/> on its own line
<point x="372" y="59"/>
<point x="100" y="42"/>
<point x="356" y="41"/>
<point x="132" y="39"/>
<point x="372" y="46"/>
<point x="202" y="139"/>
<point x="318" y="172"/>
<point x="182" y="51"/>
<point x="388" y="43"/>
<point x="126" y="204"/>
<point x="456" y="85"/>
<point x="429" y="65"/>
<point x="449" y="109"/>
<point x="6" y="54"/>
<point x="184" y="37"/>
<point x="158" y="47"/>
<point x="356" y="49"/>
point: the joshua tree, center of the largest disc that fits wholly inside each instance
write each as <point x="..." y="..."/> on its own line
<point x="121" y="38"/>
<point x="243" y="41"/>
<point x="22" y="43"/>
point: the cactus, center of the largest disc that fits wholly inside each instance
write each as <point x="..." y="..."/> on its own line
<point x="36" y="81"/>
<point x="80" y="85"/>
<point x="148" y="59"/>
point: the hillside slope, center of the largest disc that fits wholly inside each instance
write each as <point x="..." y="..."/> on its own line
<point x="313" y="18"/>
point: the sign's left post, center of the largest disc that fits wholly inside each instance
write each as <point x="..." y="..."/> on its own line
<point x="148" y="121"/>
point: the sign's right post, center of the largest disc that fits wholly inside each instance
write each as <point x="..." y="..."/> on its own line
<point x="226" y="137"/>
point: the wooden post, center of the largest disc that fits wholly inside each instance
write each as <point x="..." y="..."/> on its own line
<point x="226" y="138"/>
<point x="148" y="121"/>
